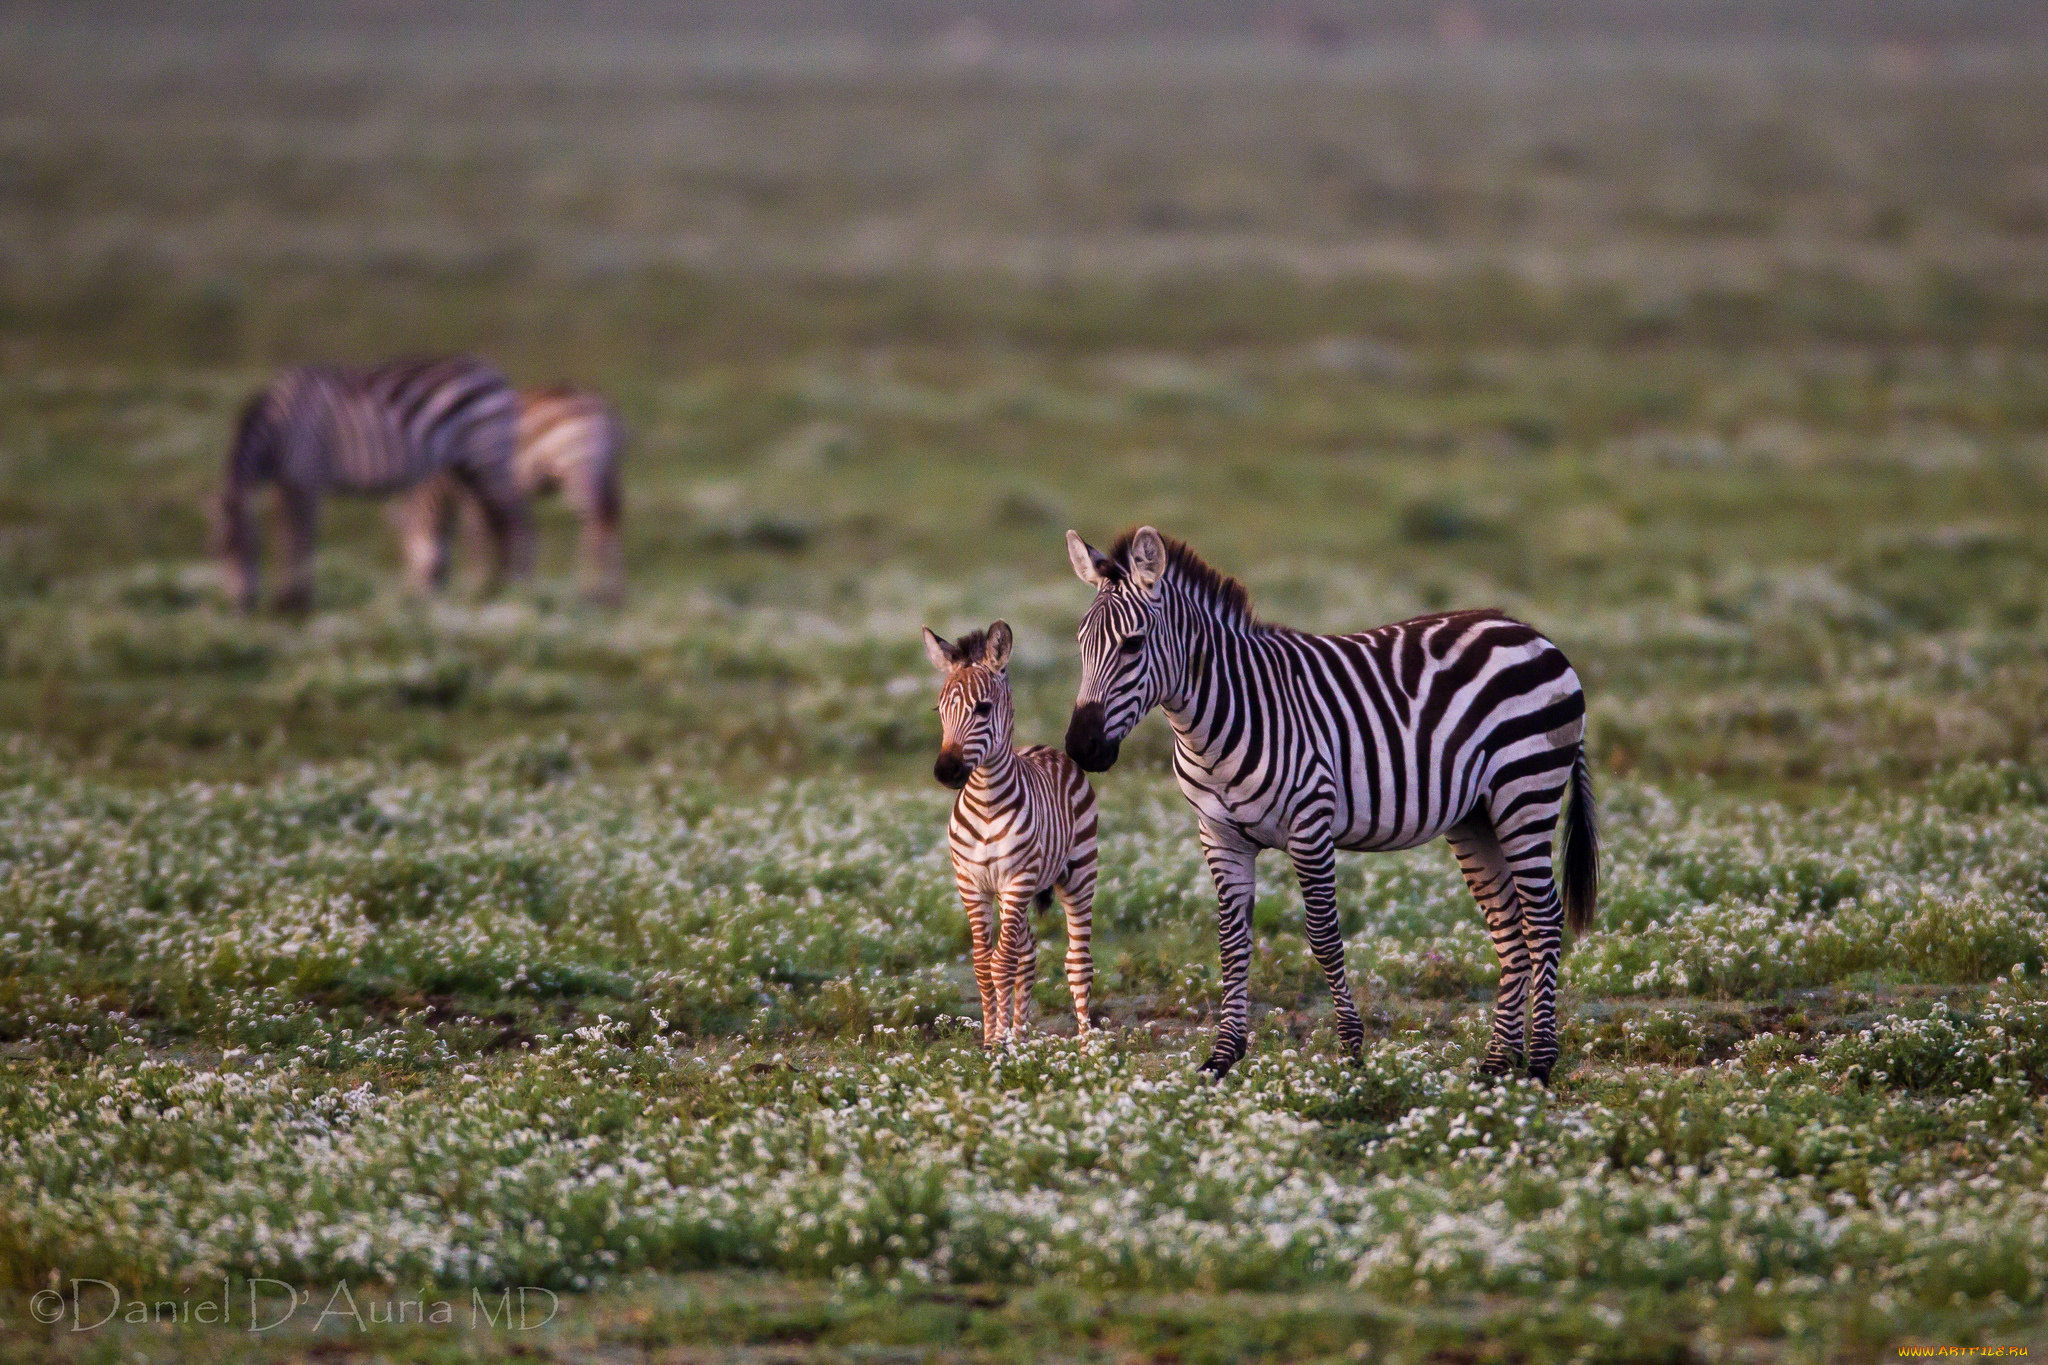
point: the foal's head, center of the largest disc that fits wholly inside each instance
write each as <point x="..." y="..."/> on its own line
<point x="974" y="700"/>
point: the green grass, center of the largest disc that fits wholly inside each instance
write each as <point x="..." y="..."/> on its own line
<point x="437" y="949"/>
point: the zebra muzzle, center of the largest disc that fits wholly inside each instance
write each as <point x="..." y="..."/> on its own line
<point x="1086" y="744"/>
<point x="951" y="769"/>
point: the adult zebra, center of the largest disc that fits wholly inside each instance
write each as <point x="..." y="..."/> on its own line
<point x="570" y="442"/>
<point x="374" y="433"/>
<point x="1467" y="726"/>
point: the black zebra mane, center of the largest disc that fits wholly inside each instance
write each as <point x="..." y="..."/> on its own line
<point x="1214" y="586"/>
<point x="972" y="646"/>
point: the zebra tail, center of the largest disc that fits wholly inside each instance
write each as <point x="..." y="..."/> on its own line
<point x="1580" y="853"/>
<point x="608" y="502"/>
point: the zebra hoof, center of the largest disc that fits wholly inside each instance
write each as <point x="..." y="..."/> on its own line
<point x="1540" y="1075"/>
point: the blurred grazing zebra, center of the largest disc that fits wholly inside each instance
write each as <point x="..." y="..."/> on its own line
<point x="373" y="433"/>
<point x="1023" y="830"/>
<point x="1466" y="725"/>
<point x="569" y="442"/>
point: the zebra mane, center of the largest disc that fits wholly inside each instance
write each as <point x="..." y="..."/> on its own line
<point x="972" y="646"/>
<point x="1213" y="586"/>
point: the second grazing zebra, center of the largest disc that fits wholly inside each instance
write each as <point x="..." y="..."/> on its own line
<point x="1466" y="726"/>
<point x="1022" y="831"/>
<point x="374" y="433"/>
<point x="570" y="442"/>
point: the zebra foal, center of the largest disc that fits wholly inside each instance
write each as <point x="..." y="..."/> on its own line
<point x="372" y="433"/>
<point x="1466" y="726"/>
<point x="1022" y="831"/>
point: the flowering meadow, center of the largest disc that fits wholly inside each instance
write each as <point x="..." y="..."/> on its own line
<point x="396" y="1026"/>
<point x="467" y="980"/>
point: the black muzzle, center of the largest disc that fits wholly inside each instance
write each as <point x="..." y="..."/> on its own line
<point x="951" y="770"/>
<point x="1086" y="744"/>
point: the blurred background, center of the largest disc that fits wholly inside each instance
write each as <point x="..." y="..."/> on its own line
<point x="1708" y="336"/>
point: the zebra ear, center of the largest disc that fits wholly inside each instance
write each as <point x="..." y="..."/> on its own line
<point x="1147" y="557"/>
<point x="996" y="653"/>
<point x="1091" y="566"/>
<point x="944" y="657"/>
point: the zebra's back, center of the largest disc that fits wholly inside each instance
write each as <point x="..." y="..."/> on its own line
<point x="380" y="431"/>
<point x="454" y="412"/>
<point x="1400" y="728"/>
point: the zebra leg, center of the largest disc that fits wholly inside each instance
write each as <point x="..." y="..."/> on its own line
<point x="598" y="544"/>
<point x="1525" y="841"/>
<point x="980" y="925"/>
<point x="300" y="504"/>
<point x="1076" y="891"/>
<point x="1486" y="874"/>
<point x="510" y="523"/>
<point x="604" y="562"/>
<point x="423" y="515"/>
<point x="1017" y="960"/>
<point x="1231" y="865"/>
<point x="1315" y="867"/>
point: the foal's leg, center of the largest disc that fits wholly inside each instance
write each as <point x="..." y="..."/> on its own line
<point x="980" y="912"/>
<point x="1016" y="958"/>
<point x="1486" y="873"/>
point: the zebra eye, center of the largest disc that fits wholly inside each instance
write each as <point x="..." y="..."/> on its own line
<point x="984" y="708"/>
<point x="1132" y="644"/>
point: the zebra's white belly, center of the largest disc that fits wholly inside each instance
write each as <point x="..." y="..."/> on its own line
<point x="1363" y="837"/>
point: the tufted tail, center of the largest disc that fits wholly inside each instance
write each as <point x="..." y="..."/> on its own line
<point x="1580" y="850"/>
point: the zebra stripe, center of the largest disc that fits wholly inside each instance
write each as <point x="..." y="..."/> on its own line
<point x="1022" y="831"/>
<point x="571" y="442"/>
<point x="1467" y="726"/>
<point x="372" y="433"/>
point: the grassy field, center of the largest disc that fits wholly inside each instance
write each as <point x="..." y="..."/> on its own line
<point x="426" y="952"/>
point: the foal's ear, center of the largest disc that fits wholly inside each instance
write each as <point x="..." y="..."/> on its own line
<point x="1147" y="557"/>
<point x="943" y="655"/>
<point x="1091" y="566"/>
<point x="996" y="653"/>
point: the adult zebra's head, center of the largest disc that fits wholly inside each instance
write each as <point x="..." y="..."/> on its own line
<point x="975" y="713"/>
<point x="1127" y="666"/>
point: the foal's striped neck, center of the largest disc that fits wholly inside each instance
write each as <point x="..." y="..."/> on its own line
<point x="1000" y="770"/>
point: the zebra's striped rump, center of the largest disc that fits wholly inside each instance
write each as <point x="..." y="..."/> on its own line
<point x="1022" y="831"/>
<point x="571" y="440"/>
<point x="1466" y="726"/>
